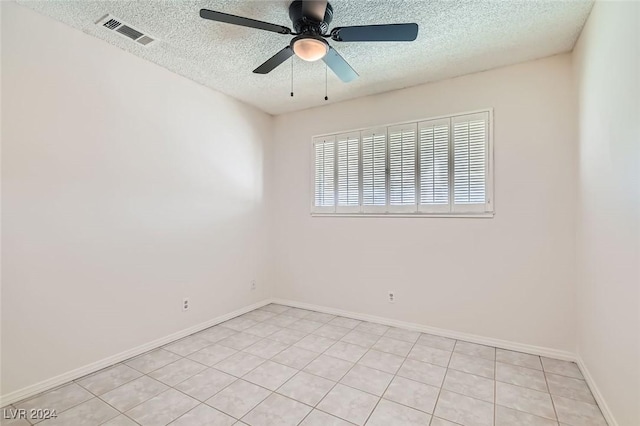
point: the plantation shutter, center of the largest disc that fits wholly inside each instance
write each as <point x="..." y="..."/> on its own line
<point x="374" y="170"/>
<point x="433" y="151"/>
<point x="402" y="168"/>
<point x="348" y="146"/>
<point x="433" y="167"/>
<point x="325" y="176"/>
<point x="470" y="162"/>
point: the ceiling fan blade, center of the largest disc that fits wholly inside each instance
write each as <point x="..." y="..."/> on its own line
<point x="244" y="22"/>
<point x="388" y="32"/>
<point x="274" y="61"/>
<point x="339" y="66"/>
<point x="314" y="8"/>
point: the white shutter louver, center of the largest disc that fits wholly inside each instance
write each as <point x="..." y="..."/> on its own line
<point x="374" y="170"/>
<point x="433" y="151"/>
<point x="402" y="168"/>
<point x="324" y="163"/>
<point x="442" y="166"/>
<point x="348" y="147"/>
<point x="470" y="155"/>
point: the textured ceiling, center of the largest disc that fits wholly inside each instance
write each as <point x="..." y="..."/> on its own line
<point x="456" y="37"/>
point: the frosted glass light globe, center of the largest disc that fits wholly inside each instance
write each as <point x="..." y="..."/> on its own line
<point x="310" y="49"/>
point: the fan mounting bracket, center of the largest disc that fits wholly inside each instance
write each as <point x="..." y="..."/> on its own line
<point x="307" y="25"/>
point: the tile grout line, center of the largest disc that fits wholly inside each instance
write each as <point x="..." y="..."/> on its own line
<point x="57" y="413"/>
<point x="229" y="414"/>
<point x="122" y="414"/>
<point x="393" y="378"/>
<point x="507" y="383"/>
<point x="394" y="375"/>
<point x="337" y="381"/>
<point x="275" y="391"/>
<point x="145" y="375"/>
<point x="270" y="359"/>
<point x="553" y="404"/>
<point x="443" y="380"/>
<point x="102" y="400"/>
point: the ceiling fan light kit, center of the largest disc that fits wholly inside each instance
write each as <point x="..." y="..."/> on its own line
<point x="309" y="48"/>
<point x="311" y="19"/>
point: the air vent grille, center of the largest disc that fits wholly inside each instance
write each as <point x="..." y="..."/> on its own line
<point x="144" y="40"/>
<point x="117" y="25"/>
<point x="129" y="32"/>
<point x="112" y="24"/>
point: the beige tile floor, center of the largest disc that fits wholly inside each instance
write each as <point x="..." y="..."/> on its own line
<point x="286" y="366"/>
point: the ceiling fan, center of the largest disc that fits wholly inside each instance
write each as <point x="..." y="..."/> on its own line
<point x="311" y="19"/>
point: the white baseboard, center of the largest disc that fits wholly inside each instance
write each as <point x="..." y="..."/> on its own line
<point x="53" y="382"/>
<point x="489" y="341"/>
<point x="606" y="412"/>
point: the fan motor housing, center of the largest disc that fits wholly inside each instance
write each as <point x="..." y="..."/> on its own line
<point x="307" y="25"/>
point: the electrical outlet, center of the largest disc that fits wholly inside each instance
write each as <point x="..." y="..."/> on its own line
<point x="392" y="297"/>
<point x="253" y="284"/>
<point x="185" y="304"/>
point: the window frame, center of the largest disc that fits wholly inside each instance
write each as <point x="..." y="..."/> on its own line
<point x="449" y="210"/>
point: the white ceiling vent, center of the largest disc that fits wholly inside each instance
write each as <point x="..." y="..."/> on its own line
<point x="117" y="25"/>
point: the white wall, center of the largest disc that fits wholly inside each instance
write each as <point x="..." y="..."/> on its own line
<point x="124" y="188"/>
<point x="516" y="278"/>
<point x="606" y="61"/>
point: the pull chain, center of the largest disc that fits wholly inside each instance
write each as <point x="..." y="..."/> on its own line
<point x="326" y="81"/>
<point x="292" y="77"/>
<point x="326" y="97"/>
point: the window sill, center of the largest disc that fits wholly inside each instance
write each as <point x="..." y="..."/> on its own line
<point x="486" y="215"/>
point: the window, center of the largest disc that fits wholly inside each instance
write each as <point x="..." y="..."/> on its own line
<point x="432" y="167"/>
